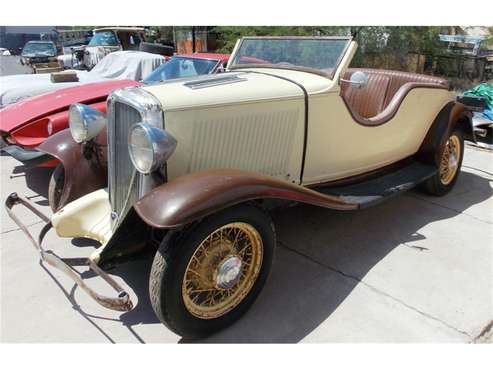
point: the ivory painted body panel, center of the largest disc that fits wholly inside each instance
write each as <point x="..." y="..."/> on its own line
<point x="339" y="147"/>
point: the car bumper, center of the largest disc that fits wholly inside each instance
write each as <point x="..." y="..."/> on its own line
<point x="87" y="217"/>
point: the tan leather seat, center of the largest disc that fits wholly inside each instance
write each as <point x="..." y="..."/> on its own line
<point x="379" y="100"/>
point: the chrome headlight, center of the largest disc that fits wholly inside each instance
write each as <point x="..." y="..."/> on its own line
<point x="149" y="147"/>
<point x="85" y="122"/>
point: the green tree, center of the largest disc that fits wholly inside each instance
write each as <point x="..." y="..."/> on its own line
<point x="228" y="35"/>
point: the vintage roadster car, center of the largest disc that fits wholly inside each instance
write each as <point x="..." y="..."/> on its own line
<point x="27" y="124"/>
<point x="194" y="165"/>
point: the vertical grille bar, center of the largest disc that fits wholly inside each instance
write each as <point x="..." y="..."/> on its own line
<point x="120" y="167"/>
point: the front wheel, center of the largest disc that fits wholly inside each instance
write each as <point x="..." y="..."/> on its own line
<point x="449" y="167"/>
<point x="206" y="277"/>
<point x="55" y="187"/>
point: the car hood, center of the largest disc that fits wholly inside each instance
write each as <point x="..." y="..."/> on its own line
<point x="223" y="89"/>
<point x="16" y="115"/>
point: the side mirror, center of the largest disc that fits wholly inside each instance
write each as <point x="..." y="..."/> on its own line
<point x="358" y="79"/>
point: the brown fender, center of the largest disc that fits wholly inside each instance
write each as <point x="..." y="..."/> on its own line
<point x="452" y="115"/>
<point x="82" y="175"/>
<point x="191" y="197"/>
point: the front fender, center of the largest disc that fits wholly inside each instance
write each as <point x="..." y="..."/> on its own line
<point x="83" y="175"/>
<point x="191" y="197"/>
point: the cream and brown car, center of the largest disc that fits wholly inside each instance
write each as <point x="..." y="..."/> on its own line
<point x="195" y="165"/>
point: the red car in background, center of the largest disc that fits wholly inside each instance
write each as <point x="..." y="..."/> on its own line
<point x="28" y="123"/>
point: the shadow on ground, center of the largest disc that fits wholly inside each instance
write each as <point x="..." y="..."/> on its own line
<point x="301" y="293"/>
<point x="37" y="180"/>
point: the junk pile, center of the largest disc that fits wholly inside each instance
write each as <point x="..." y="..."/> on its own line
<point x="483" y="121"/>
<point x="484" y="91"/>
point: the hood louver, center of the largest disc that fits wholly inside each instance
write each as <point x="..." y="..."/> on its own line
<point x="210" y="82"/>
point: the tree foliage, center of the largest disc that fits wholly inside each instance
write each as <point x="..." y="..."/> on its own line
<point x="228" y="35"/>
<point x="372" y="39"/>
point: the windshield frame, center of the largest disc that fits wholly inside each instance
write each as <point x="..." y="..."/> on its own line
<point x="184" y="56"/>
<point x="232" y="66"/>
<point x="115" y="34"/>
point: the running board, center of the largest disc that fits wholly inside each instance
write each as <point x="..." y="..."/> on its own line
<point x="376" y="190"/>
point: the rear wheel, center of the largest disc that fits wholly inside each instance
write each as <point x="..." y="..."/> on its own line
<point x="449" y="167"/>
<point x="55" y="188"/>
<point x="205" y="278"/>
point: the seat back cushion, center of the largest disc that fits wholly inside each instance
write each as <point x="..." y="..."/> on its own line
<point x="369" y="100"/>
<point x="398" y="79"/>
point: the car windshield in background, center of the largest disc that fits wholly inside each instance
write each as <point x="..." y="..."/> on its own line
<point x="316" y="54"/>
<point x="180" y="67"/>
<point x="104" y="38"/>
<point x="39" y="48"/>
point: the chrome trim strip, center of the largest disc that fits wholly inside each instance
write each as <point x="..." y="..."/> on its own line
<point x="222" y="80"/>
<point x="150" y="110"/>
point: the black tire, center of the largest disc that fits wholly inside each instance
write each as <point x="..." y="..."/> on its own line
<point x="55" y="187"/>
<point x="434" y="185"/>
<point x="160" y="49"/>
<point x="171" y="261"/>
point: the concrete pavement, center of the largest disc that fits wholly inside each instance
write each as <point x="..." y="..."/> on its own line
<point x="414" y="269"/>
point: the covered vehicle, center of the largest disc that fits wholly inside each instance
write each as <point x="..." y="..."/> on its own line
<point x="481" y="97"/>
<point x="195" y="165"/>
<point x="27" y="124"/>
<point x="122" y="65"/>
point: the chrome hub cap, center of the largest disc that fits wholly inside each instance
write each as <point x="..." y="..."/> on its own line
<point x="222" y="270"/>
<point x="228" y="273"/>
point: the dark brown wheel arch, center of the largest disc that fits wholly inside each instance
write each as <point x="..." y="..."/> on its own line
<point x="191" y="197"/>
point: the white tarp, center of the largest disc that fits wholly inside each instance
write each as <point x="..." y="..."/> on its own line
<point x="120" y="65"/>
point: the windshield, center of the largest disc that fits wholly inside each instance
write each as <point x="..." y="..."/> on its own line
<point x="39" y="48"/>
<point x="320" y="55"/>
<point x="179" y="67"/>
<point x="104" y="38"/>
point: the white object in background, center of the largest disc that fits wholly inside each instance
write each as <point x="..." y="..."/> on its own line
<point x="120" y="65"/>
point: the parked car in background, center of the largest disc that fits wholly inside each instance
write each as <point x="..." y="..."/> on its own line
<point x="110" y="39"/>
<point x="133" y="65"/>
<point x="41" y="56"/>
<point x="35" y="52"/>
<point x="81" y="164"/>
<point x="4" y="52"/>
<point x="195" y="165"/>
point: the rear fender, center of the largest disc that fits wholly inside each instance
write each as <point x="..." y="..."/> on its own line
<point x="83" y="174"/>
<point x="452" y="116"/>
<point x="191" y="197"/>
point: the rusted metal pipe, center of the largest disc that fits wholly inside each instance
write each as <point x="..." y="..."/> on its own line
<point x="121" y="303"/>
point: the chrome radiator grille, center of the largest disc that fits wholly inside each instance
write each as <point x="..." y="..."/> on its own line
<point x="123" y="179"/>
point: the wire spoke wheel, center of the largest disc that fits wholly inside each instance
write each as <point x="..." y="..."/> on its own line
<point x="449" y="163"/>
<point x="222" y="270"/>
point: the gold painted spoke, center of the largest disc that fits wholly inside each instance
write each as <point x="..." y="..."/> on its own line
<point x="202" y="290"/>
<point x="449" y="163"/>
<point x="194" y="272"/>
<point x="200" y="294"/>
